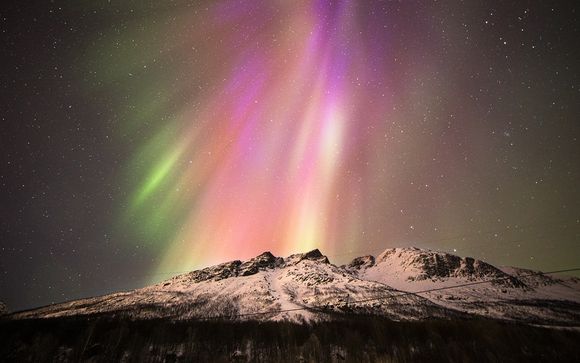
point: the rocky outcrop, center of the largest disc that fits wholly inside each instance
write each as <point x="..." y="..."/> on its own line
<point x="259" y="263"/>
<point x="314" y="255"/>
<point x="237" y="268"/>
<point x="362" y="262"/>
<point x="433" y="265"/>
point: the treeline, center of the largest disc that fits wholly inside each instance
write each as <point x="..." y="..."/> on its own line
<point x="362" y="339"/>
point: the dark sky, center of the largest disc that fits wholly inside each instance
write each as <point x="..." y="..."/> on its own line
<point x="139" y="141"/>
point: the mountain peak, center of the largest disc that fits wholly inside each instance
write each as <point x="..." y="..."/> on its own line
<point x="425" y="264"/>
<point x="263" y="261"/>
<point x="266" y="254"/>
<point x="362" y="262"/>
<point x="402" y="250"/>
<point x="314" y="255"/>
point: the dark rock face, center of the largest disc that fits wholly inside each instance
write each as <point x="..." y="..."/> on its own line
<point x="434" y="265"/>
<point x="361" y="263"/>
<point x="441" y="265"/>
<point x="216" y="273"/>
<point x="437" y="265"/>
<point x="237" y="268"/>
<point x="314" y="255"/>
<point x="478" y="269"/>
<point x="262" y="262"/>
<point x="536" y="279"/>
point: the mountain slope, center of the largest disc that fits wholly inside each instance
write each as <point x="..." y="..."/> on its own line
<point x="513" y="293"/>
<point x="307" y="287"/>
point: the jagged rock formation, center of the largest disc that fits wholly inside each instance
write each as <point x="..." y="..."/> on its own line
<point x="432" y="265"/>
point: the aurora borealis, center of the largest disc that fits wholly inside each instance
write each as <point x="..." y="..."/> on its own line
<point x="266" y="158"/>
<point x="144" y="140"/>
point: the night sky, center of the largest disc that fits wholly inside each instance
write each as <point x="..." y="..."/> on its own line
<point x="140" y="141"/>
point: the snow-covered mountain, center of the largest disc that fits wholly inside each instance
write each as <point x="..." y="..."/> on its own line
<point x="513" y="293"/>
<point x="307" y="287"/>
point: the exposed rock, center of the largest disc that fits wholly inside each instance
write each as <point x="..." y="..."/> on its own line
<point x="361" y="263"/>
<point x="218" y="272"/>
<point x="432" y="265"/>
<point x="237" y="268"/>
<point x="259" y="263"/>
<point x="314" y="255"/>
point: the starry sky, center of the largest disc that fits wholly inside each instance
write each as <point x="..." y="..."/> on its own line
<point x="143" y="139"/>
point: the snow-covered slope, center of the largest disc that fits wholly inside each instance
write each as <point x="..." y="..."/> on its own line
<point x="307" y="287"/>
<point x="513" y="293"/>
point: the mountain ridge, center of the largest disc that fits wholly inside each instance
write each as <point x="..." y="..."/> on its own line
<point x="306" y="287"/>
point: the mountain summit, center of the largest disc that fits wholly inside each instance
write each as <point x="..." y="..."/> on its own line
<point x="400" y="284"/>
<point x="415" y="265"/>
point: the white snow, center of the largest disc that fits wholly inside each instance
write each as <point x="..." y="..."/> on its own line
<point x="305" y="287"/>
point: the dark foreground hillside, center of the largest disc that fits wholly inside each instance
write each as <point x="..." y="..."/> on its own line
<point x="107" y="339"/>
